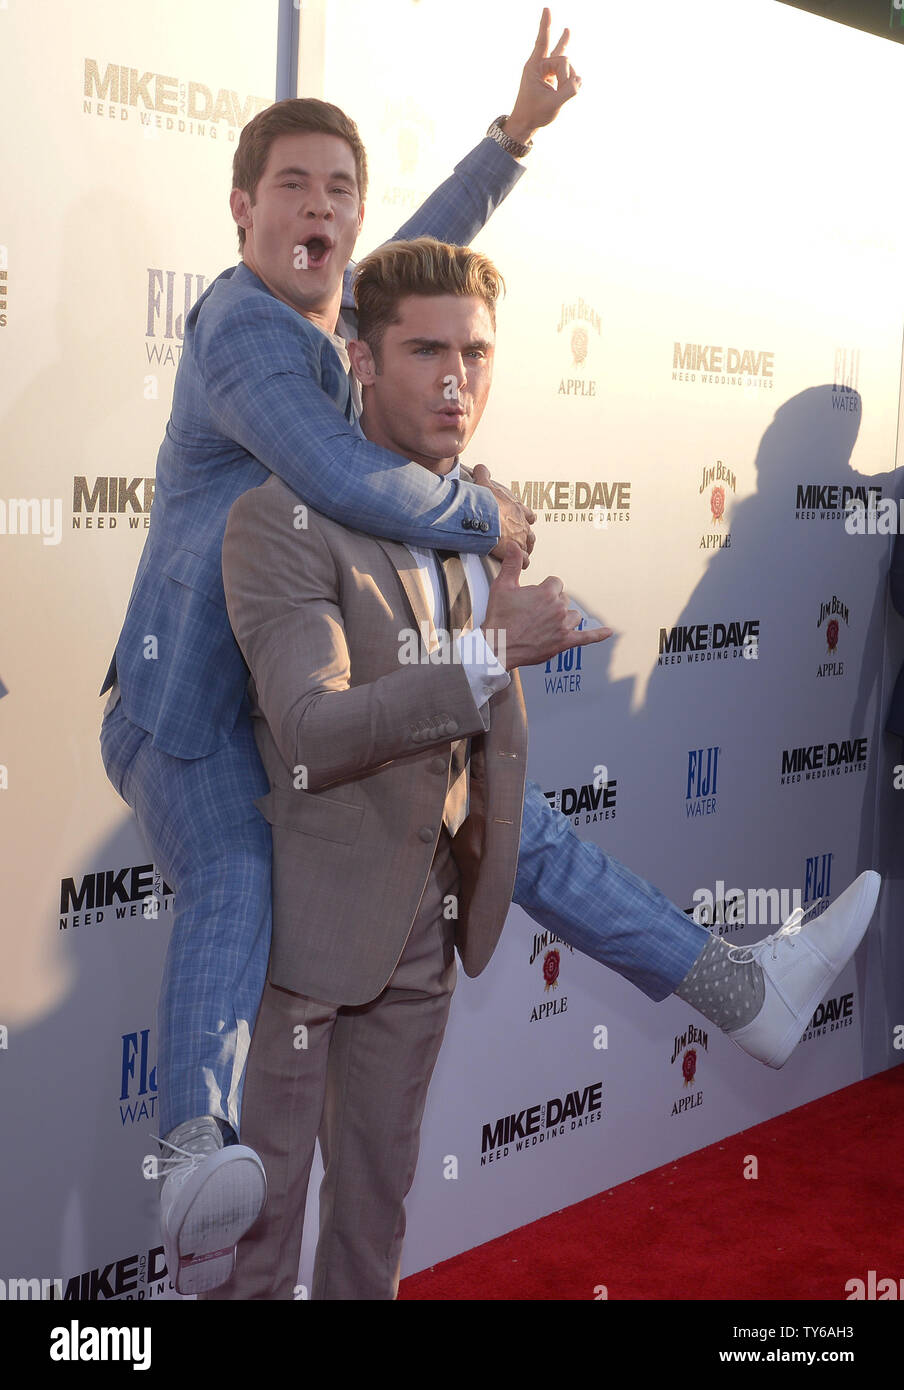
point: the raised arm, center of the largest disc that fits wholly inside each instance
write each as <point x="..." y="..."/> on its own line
<point x="457" y="210"/>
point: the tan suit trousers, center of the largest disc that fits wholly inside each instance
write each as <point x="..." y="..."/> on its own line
<point x="357" y="1078"/>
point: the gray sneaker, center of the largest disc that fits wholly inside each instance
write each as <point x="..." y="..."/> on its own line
<point x="210" y="1197"/>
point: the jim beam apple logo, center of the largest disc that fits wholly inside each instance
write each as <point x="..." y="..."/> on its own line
<point x="546" y="950"/>
<point x="578" y="321"/>
<point x="831" y="615"/>
<point x="157" y="102"/>
<point x="717" y="479"/>
<point x="686" y="1047"/>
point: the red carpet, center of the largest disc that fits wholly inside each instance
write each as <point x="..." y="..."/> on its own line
<point x="826" y="1208"/>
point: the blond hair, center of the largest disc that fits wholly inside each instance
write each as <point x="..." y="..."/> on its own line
<point x="423" y="266"/>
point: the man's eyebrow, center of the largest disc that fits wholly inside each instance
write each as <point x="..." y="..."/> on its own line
<point x="483" y="343"/>
<point x="306" y="173"/>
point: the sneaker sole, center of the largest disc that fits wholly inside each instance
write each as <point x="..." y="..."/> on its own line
<point x="226" y="1205"/>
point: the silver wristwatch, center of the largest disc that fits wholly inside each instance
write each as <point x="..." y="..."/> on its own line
<point x="515" y="147"/>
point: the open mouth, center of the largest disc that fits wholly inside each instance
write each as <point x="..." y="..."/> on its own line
<point x="318" y="250"/>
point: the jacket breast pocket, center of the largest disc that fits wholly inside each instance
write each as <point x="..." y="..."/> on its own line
<point x="310" y="813"/>
<point x="197" y="572"/>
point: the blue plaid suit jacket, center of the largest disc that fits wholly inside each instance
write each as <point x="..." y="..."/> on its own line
<point x="260" y="390"/>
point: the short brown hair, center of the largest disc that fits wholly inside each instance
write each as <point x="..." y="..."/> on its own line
<point x="293" y="116"/>
<point x="423" y="266"/>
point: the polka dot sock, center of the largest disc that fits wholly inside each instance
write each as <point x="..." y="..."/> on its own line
<point x="205" y="1134"/>
<point x="728" y="993"/>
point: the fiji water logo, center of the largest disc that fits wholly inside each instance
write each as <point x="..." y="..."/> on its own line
<point x="138" y="1095"/>
<point x="562" y="673"/>
<point x="702" y="781"/>
<point x="817" y="884"/>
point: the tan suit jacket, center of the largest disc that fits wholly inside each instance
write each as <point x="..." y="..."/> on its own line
<point x="357" y="747"/>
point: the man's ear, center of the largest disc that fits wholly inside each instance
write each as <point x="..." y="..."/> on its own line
<point x="362" y="360"/>
<point x="240" y="206"/>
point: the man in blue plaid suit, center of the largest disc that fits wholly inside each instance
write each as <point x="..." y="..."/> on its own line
<point x="263" y="387"/>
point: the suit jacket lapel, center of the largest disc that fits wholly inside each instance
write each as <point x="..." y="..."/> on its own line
<point x="405" y="565"/>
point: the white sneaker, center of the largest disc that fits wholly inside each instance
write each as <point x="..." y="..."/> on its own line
<point x="207" y="1202"/>
<point x="800" y="967"/>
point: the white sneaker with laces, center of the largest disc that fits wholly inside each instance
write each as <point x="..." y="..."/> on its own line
<point x="208" y="1200"/>
<point x="799" y="968"/>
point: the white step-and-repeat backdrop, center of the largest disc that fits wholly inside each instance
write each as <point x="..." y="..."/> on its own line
<point x="698" y="363"/>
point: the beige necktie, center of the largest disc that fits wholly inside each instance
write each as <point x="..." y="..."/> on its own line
<point x="459" y="618"/>
<point x="353" y="404"/>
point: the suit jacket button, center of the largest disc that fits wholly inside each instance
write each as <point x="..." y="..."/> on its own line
<point x="438" y="765"/>
<point x="425" y="834"/>
<point x="484" y="526"/>
<point x="466" y="523"/>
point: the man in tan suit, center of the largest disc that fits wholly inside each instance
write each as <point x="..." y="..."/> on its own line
<point x="396" y="794"/>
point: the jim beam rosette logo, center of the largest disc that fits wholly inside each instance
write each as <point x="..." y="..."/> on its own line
<point x="689" y="1066"/>
<point x="551" y="962"/>
<point x="577" y="322"/>
<point x="580" y="342"/>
